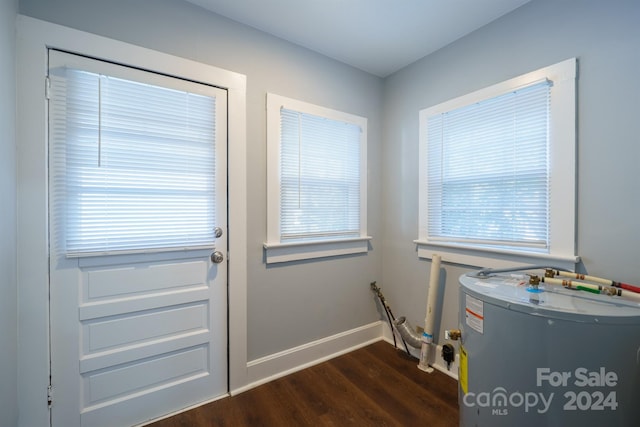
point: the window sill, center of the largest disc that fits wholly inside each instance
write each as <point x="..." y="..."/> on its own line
<point x="492" y="258"/>
<point x="285" y="252"/>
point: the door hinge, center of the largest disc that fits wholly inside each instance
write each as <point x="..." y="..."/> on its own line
<point x="49" y="396"/>
<point x="47" y="87"/>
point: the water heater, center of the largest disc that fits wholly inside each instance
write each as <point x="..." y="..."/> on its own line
<point x="546" y="356"/>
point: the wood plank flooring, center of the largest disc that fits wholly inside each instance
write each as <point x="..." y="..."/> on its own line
<point x="373" y="386"/>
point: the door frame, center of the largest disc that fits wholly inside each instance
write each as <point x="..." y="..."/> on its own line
<point x="34" y="37"/>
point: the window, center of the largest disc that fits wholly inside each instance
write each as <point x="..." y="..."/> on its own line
<point x="497" y="170"/>
<point x="316" y="160"/>
<point x="133" y="159"/>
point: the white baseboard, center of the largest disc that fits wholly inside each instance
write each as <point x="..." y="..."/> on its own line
<point x="439" y="363"/>
<point x="268" y="368"/>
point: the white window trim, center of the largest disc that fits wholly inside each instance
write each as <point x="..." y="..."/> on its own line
<point x="563" y="188"/>
<point x="275" y="250"/>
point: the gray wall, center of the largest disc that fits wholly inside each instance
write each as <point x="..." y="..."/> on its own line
<point x="8" y="287"/>
<point x="604" y="36"/>
<point x="288" y="305"/>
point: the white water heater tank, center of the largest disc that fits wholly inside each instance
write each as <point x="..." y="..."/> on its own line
<point x="546" y="357"/>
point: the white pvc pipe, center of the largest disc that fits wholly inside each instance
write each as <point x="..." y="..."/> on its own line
<point x="629" y="295"/>
<point x="428" y="350"/>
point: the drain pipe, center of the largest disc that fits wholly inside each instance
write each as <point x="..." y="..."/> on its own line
<point x="428" y="350"/>
<point x="424" y="342"/>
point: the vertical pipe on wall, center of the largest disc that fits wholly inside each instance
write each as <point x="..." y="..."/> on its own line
<point x="428" y="350"/>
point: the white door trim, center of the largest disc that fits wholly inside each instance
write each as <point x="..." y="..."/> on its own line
<point x="33" y="39"/>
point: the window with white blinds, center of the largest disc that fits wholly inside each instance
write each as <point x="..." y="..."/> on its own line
<point x="133" y="163"/>
<point x="497" y="168"/>
<point x="317" y="188"/>
<point x="319" y="177"/>
<point x="488" y="174"/>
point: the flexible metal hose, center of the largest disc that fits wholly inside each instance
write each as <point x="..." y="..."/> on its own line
<point x="407" y="333"/>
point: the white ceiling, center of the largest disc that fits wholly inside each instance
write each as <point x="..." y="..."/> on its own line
<point x="377" y="36"/>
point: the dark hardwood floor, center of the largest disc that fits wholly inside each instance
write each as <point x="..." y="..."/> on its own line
<point x="373" y="386"/>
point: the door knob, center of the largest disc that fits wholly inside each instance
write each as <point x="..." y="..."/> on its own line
<point x="217" y="257"/>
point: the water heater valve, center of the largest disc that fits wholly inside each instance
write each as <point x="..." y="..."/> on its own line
<point x="452" y="334"/>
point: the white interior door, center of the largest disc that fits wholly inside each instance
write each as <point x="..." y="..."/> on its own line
<point x="138" y="330"/>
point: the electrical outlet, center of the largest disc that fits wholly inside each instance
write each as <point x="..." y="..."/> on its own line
<point x="441" y="364"/>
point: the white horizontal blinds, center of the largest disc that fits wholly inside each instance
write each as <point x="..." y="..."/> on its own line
<point x="320" y="177"/>
<point x="133" y="163"/>
<point x="488" y="171"/>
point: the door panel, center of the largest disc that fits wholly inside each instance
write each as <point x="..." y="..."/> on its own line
<point x="135" y="336"/>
